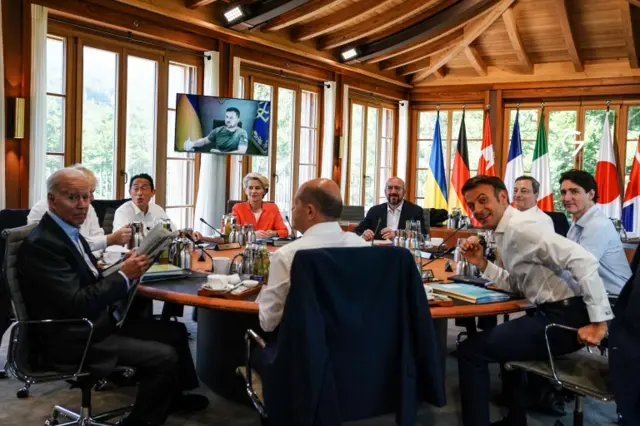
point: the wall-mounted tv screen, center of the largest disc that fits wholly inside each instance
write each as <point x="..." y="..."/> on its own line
<point x="210" y="124"/>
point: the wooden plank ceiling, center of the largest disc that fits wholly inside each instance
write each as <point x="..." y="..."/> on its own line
<point x="439" y="42"/>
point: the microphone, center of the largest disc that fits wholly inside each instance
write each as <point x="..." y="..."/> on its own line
<point x="214" y="229"/>
<point x="377" y="229"/>
<point x="202" y="250"/>
<point x="293" y="232"/>
<point x="441" y="255"/>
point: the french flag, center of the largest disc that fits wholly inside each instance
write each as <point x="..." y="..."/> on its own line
<point x="515" y="168"/>
<point x="631" y="204"/>
<point x="607" y="175"/>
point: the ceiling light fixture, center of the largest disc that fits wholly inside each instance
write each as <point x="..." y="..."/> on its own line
<point x="233" y="14"/>
<point x="349" y="54"/>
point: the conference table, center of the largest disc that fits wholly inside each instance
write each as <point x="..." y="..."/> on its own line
<point x="222" y="323"/>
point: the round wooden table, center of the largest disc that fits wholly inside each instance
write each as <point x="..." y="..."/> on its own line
<point x="222" y="323"/>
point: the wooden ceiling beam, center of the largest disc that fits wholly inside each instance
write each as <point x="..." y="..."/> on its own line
<point x="417" y="35"/>
<point x="193" y="4"/>
<point x="340" y="19"/>
<point x="440" y="73"/>
<point x="300" y="13"/>
<point x="414" y="67"/>
<point x="471" y="33"/>
<point x="260" y="13"/>
<point x="634" y="2"/>
<point x="516" y="41"/>
<point x="380" y="22"/>
<point x="475" y="60"/>
<point x="631" y="23"/>
<point x="562" y="8"/>
<point x="431" y="49"/>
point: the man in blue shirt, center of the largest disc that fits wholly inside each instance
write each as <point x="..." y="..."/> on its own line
<point x="593" y="230"/>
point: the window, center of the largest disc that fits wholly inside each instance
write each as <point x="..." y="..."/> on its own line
<point x="56" y="103"/>
<point x="235" y="184"/>
<point x="308" y="166"/>
<point x="370" y="150"/>
<point x="633" y="134"/>
<point x="181" y="166"/>
<point x="561" y="137"/>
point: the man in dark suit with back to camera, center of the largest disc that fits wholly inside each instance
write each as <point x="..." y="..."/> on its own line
<point x="60" y="279"/>
<point x="382" y="221"/>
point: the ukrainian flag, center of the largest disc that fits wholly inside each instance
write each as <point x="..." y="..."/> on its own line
<point x="435" y="195"/>
<point x="188" y="124"/>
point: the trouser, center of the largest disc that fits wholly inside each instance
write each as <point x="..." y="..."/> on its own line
<point x="521" y="339"/>
<point x="159" y="351"/>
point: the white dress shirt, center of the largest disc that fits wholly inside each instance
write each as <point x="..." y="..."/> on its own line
<point x="534" y="261"/>
<point x="90" y="229"/>
<point x="595" y="232"/>
<point x="129" y="212"/>
<point x="393" y="216"/>
<point x="541" y="217"/>
<point x="272" y="296"/>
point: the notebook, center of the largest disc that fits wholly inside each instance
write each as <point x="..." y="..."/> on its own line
<point x="470" y="293"/>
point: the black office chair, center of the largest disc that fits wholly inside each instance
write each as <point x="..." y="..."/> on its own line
<point x="22" y="357"/>
<point x="560" y="222"/>
<point x="105" y="210"/>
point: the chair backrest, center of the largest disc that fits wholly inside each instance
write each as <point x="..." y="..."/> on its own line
<point x="105" y="210"/>
<point x="13" y="239"/>
<point x="9" y="218"/>
<point x="352" y="214"/>
<point x="560" y="223"/>
<point x="356" y="330"/>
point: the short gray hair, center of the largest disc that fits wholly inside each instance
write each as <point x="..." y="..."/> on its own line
<point x="255" y="176"/>
<point x="535" y="185"/>
<point x="56" y="178"/>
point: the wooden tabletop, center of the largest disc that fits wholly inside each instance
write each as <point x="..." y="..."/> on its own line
<point x="458" y="310"/>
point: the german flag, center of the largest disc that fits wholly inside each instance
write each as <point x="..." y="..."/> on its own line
<point x="460" y="173"/>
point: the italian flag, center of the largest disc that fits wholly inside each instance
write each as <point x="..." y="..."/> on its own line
<point x="540" y="168"/>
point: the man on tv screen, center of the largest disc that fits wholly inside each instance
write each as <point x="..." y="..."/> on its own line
<point x="227" y="138"/>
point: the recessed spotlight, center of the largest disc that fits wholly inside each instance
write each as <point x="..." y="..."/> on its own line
<point x="233" y="14"/>
<point x="349" y="54"/>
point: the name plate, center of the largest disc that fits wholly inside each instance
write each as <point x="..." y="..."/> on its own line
<point x="229" y="246"/>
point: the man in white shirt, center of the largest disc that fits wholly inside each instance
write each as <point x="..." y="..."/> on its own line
<point x="525" y="199"/>
<point x="140" y="208"/>
<point x="316" y="210"/>
<point x="531" y="262"/>
<point x="90" y="228"/>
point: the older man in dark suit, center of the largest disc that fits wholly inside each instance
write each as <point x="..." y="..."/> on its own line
<point x="60" y="279"/>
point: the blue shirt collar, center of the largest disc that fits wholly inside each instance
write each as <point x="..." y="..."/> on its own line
<point x="71" y="231"/>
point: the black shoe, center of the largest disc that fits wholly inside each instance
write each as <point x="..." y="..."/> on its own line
<point x="188" y="403"/>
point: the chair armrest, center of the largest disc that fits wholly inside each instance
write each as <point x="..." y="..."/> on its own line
<point x="546" y="338"/>
<point x="17" y="324"/>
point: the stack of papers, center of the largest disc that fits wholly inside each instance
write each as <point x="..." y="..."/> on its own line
<point x="470" y="293"/>
<point x="163" y="272"/>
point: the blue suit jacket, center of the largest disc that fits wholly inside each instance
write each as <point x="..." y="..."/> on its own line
<point x="356" y="340"/>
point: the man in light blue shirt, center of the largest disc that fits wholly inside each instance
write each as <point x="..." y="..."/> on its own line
<point x="593" y="230"/>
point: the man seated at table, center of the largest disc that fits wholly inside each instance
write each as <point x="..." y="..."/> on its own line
<point x="593" y="230"/>
<point x="525" y="199"/>
<point x="382" y="221"/>
<point x="90" y="229"/>
<point x="140" y="208"/>
<point x="531" y="262"/>
<point x="59" y="280"/>
<point x="317" y="206"/>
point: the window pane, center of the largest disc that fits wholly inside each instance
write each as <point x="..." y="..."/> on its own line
<point x="562" y="127"/>
<point x="421" y="183"/>
<point x="53" y="163"/>
<point x="308" y="148"/>
<point x="306" y="173"/>
<point x="593" y="128"/>
<point x="262" y="92"/>
<point x="178" y="82"/>
<point x="141" y="116"/>
<point x="181" y="216"/>
<point x="98" y="117"/>
<point x="180" y="178"/>
<point x="284" y="148"/>
<point x="309" y="109"/>
<point x="55" y="66"/>
<point x="355" y="155"/>
<point x="371" y="156"/>
<point x="633" y="124"/>
<point x="387" y="123"/>
<point x="55" y="124"/>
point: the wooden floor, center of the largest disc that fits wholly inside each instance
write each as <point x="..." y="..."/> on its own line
<point x="34" y="410"/>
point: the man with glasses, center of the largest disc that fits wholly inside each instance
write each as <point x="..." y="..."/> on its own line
<point x="382" y="221"/>
<point x="140" y="208"/>
<point x="90" y="229"/>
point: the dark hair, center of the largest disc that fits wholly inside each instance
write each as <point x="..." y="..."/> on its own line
<point x="233" y="109"/>
<point x="583" y="179"/>
<point x="329" y="206"/>
<point x="497" y="183"/>
<point x="534" y="183"/>
<point x="141" y="176"/>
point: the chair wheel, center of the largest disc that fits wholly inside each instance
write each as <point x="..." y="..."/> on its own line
<point x="23" y="393"/>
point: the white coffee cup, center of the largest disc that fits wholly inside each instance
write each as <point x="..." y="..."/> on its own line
<point x="250" y="283"/>
<point x="221" y="265"/>
<point x="216" y="283"/>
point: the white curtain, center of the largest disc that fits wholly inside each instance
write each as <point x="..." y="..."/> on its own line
<point x="38" y="113"/>
<point x="2" y="118"/>
<point x="329" y="131"/>
<point x="210" y="203"/>
<point x="344" y="141"/>
<point x="403" y="139"/>
<point x="235" y="184"/>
